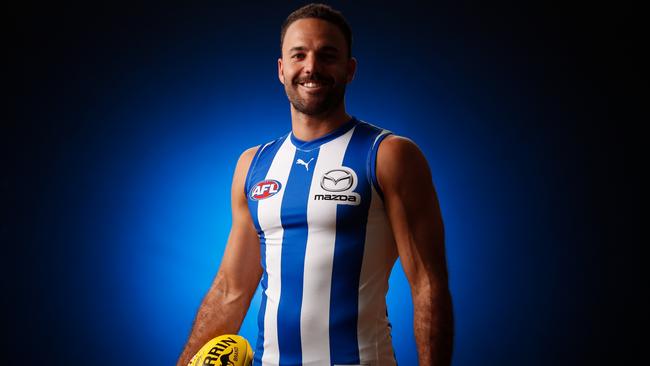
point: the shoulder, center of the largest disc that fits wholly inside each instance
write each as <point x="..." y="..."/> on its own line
<point x="244" y="162"/>
<point x="249" y="153"/>
<point x="246" y="157"/>
<point x="241" y="171"/>
<point x="397" y="145"/>
<point x="249" y="156"/>
<point x="400" y="160"/>
<point x="398" y="151"/>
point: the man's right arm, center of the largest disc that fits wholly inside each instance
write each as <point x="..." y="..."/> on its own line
<point x="225" y="305"/>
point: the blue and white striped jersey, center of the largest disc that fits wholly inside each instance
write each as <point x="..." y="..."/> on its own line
<point x="327" y="250"/>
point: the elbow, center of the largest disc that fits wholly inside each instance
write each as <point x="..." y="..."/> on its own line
<point x="432" y="287"/>
<point x="226" y="292"/>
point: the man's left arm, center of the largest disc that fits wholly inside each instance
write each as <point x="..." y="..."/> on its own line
<point x="414" y="214"/>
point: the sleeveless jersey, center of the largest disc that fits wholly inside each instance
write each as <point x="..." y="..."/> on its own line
<point x="327" y="250"/>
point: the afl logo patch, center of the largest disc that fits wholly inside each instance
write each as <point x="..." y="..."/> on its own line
<point x="265" y="189"/>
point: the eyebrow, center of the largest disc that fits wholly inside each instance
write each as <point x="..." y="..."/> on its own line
<point x="324" y="48"/>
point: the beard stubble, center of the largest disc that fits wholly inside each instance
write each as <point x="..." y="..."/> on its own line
<point x="316" y="105"/>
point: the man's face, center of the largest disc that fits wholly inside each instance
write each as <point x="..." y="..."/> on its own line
<point x="315" y="67"/>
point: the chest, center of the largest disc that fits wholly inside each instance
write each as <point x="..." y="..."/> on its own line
<point x="315" y="190"/>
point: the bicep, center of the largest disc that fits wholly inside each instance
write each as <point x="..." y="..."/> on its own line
<point x="241" y="264"/>
<point x="413" y="211"/>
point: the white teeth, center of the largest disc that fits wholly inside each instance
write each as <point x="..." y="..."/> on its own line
<point x="311" y="85"/>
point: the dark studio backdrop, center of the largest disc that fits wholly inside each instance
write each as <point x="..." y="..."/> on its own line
<point x="129" y="120"/>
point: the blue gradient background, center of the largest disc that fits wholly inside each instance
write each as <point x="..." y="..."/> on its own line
<point x="130" y="120"/>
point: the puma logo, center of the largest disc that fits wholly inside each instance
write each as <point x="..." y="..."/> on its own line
<point x="302" y="162"/>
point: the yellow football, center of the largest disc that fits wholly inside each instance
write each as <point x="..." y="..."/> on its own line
<point x="224" y="350"/>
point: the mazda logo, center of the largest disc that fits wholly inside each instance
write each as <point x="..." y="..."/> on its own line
<point x="337" y="180"/>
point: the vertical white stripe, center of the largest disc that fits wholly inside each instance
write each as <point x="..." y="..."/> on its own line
<point x="268" y="214"/>
<point x="319" y="258"/>
<point x="379" y="255"/>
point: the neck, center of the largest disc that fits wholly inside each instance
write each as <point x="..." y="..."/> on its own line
<point x="306" y="127"/>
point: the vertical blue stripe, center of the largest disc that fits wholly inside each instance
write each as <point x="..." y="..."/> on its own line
<point x="294" y="245"/>
<point x="348" y="253"/>
<point x="260" y="166"/>
<point x="259" y="346"/>
<point x="372" y="164"/>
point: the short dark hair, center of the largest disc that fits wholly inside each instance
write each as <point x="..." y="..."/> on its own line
<point x="319" y="11"/>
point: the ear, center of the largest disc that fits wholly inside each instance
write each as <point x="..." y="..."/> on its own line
<point x="352" y="68"/>
<point x="280" y="71"/>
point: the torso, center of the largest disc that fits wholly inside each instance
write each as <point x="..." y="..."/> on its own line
<point x="327" y="249"/>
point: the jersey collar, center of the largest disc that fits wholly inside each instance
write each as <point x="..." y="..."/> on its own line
<point x="312" y="144"/>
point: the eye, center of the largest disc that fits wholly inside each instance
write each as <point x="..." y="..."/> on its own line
<point x="298" y="55"/>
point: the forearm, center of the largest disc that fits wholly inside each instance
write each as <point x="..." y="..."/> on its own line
<point x="433" y="326"/>
<point x="221" y="312"/>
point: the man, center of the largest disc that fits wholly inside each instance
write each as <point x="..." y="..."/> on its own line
<point x="320" y="215"/>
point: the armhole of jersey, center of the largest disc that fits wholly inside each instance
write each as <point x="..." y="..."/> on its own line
<point x="372" y="161"/>
<point x="251" y="167"/>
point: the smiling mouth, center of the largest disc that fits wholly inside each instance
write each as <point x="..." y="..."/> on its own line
<point x="312" y="84"/>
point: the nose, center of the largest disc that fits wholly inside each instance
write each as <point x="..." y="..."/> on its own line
<point x="311" y="63"/>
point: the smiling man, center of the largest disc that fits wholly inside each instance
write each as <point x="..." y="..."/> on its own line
<point x="320" y="215"/>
